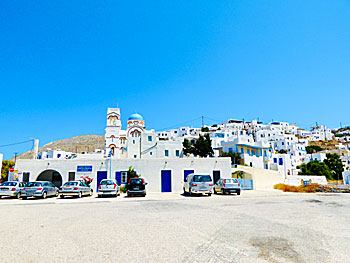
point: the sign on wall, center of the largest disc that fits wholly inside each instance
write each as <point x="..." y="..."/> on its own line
<point x="84" y="168"/>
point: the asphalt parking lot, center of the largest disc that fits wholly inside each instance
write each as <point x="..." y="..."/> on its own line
<point x="258" y="226"/>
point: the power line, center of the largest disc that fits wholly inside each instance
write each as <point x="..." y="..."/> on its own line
<point x="177" y="125"/>
<point x="6" y="145"/>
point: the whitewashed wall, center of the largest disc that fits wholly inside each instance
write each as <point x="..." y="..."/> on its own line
<point x="150" y="169"/>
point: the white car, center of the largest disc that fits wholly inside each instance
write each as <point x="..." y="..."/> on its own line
<point x="227" y="186"/>
<point x="108" y="187"/>
<point x="11" y="188"/>
<point x="198" y="184"/>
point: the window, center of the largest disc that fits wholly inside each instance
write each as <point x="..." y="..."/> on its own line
<point x="135" y="156"/>
<point x="124" y="177"/>
<point x="58" y="155"/>
<point x="281" y="161"/>
<point x="274" y="160"/>
<point x="149" y="138"/>
<point x="266" y="166"/>
<point x="133" y="141"/>
<point x="166" y="153"/>
<point x="150" y="153"/>
<point x="230" y="150"/>
<point x="177" y="153"/>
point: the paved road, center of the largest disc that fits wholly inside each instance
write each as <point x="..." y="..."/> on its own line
<point x="254" y="227"/>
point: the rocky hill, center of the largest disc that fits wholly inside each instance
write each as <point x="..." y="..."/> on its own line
<point x="77" y="144"/>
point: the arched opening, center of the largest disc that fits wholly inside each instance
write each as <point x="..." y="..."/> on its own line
<point x="52" y="176"/>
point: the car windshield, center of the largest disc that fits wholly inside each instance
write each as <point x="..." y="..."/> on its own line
<point x="9" y="184"/>
<point x="228" y="181"/>
<point x="201" y="178"/>
<point x="33" y="184"/>
<point x="107" y="182"/>
<point x="71" y="184"/>
<point x="136" y="181"/>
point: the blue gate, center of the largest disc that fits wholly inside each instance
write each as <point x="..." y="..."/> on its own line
<point x="246" y="184"/>
<point x="118" y="177"/>
<point x="100" y="176"/>
<point x="166" y="180"/>
<point x="187" y="172"/>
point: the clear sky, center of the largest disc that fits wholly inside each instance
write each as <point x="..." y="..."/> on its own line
<point x="62" y="63"/>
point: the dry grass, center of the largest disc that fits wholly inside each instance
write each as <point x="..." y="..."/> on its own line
<point x="298" y="189"/>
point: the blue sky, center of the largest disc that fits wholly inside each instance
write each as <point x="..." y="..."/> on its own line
<point x="62" y="63"/>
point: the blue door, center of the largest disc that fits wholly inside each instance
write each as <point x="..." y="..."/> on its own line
<point x="118" y="177"/>
<point x="166" y="180"/>
<point x="187" y="172"/>
<point x="100" y="176"/>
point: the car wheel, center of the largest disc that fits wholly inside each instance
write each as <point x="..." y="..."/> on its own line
<point x="239" y="192"/>
<point x="215" y="191"/>
<point x="190" y="192"/>
<point x="61" y="196"/>
<point x="18" y="196"/>
<point x="209" y="194"/>
<point x="44" y="195"/>
<point x="91" y="192"/>
<point x="185" y="193"/>
<point x="80" y="195"/>
<point x="24" y="198"/>
<point x="56" y="194"/>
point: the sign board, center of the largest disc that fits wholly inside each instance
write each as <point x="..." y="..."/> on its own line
<point x="306" y="182"/>
<point x="12" y="169"/>
<point x="84" y="168"/>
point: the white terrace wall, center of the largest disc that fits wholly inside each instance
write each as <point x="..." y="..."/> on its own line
<point x="150" y="169"/>
<point x="297" y="180"/>
<point x="262" y="179"/>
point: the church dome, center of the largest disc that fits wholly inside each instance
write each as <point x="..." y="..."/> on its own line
<point x="135" y="116"/>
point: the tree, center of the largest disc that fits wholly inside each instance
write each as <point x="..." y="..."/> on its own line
<point x="201" y="147"/>
<point x="204" y="129"/>
<point x="335" y="164"/>
<point x="316" y="168"/>
<point x="188" y="147"/>
<point x="6" y="165"/>
<point x="313" y="149"/>
<point x="235" y="157"/>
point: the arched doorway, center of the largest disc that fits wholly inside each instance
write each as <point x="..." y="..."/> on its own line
<point x="52" y="176"/>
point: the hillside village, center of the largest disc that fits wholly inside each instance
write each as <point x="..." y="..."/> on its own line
<point x="276" y="146"/>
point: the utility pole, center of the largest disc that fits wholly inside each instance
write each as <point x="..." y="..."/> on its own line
<point x="202" y="121"/>
<point x="15" y="156"/>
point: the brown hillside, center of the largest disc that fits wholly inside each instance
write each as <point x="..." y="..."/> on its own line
<point x="77" y="144"/>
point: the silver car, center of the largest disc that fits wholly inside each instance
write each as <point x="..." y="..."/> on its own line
<point x="108" y="187"/>
<point x="11" y="188"/>
<point x="198" y="184"/>
<point x="39" y="189"/>
<point x="75" y="188"/>
<point x="227" y="186"/>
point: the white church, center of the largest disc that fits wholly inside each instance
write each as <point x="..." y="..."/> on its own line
<point x="136" y="142"/>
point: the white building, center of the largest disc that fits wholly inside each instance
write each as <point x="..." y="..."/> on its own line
<point x="1" y="158"/>
<point x="162" y="174"/>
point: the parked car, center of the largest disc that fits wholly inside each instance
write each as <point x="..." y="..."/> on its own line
<point x="39" y="189"/>
<point x="198" y="184"/>
<point x="227" y="186"/>
<point x="11" y="188"/>
<point x="108" y="187"/>
<point x="136" y="186"/>
<point x="75" y="188"/>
